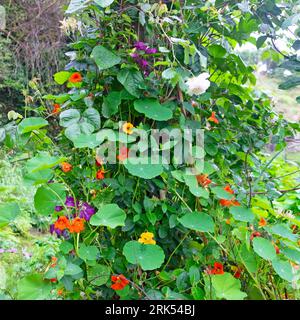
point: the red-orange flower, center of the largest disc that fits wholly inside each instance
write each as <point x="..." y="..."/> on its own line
<point x="62" y="223"/>
<point x="123" y="154"/>
<point x="237" y="271"/>
<point x="217" y="269"/>
<point x="75" y="77"/>
<point x="213" y="118"/>
<point x="203" y="180"/>
<point x="77" y="225"/>
<point x="228" y="189"/>
<point x="100" y="174"/>
<point x="120" y="282"/>
<point x="53" y="280"/>
<point x="229" y="203"/>
<point x="254" y="235"/>
<point x="262" y="222"/>
<point x="277" y="249"/>
<point x="56" y="108"/>
<point x="66" y="167"/>
<point x="54" y="262"/>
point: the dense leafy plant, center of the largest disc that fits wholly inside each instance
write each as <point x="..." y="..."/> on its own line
<point x="151" y="231"/>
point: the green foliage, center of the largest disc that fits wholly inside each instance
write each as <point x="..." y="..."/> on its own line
<point x="216" y="229"/>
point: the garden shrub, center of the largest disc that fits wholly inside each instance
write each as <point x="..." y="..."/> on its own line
<point x="153" y="230"/>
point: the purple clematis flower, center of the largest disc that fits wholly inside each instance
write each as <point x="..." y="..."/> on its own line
<point x="12" y="250"/>
<point x="139" y="45"/>
<point x="134" y="55"/>
<point x="150" y="50"/>
<point x="70" y="202"/>
<point x="58" y="232"/>
<point x="86" y="211"/>
<point x="2" y="250"/>
<point x="59" y="208"/>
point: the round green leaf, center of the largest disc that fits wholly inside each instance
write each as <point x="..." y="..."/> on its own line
<point x="283" y="269"/>
<point x="131" y="80"/>
<point x="49" y="196"/>
<point x="62" y="77"/>
<point x="76" y="130"/>
<point x="98" y="274"/>
<point x="198" y="221"/>
<point x="110" y="215"/>
<point x="264" y="248"/>
<point x="42" y="161"/>
<point x="104" y="58"/>
<point x="92" y="116"/>
<point x="88" y="252"/>
<point x="227" y="287"/>
<point x="30" y="124"/>
<point x="242" y="214"/>
<point x="8" y="213"/>
<point x="33" y="287"/>
<point x="69" y="117"/>
<point x="145" y="171"/>
<point x="104" y="3"/>
<point x="148" y="256"/>
<point x="152" y="109"/>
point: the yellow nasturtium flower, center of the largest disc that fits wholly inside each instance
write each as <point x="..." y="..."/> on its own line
<point x="127" y="127"/>
<point x="147" y="238"/>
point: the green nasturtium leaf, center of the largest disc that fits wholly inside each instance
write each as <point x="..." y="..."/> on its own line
<point x="104" y="3"/>
<point x="217" y="51"/>
<point x="283" y="231"/>
<point x="31" y="124"/>
<point x="284" y="269"/>
<point x="264" y="248"/>
<point x="248" y="258"/>
<point x="98" y="274"/>
<point x="39" y="177"/>
<point x="132" y="80"/>
<point x="221" y="193"/>
<point x="88" y="252"/>
<point x="152" y="109"/>
<point x="227" y="287"/>
<point x="86" y="141"/>
<point x="148" y="256"/>
<point x="145" y="171"/>
<point x="42" y="161"/>
<point x="61" y="77"/>
<point x="92" y="116"/>
<point x="104" y="58"/>
<point x="111" y="104"/>
<point x="49" y="196"/>
<point x="69" y="117"/>
<point x="242" y="214"/>
<point x="33" y="287"/>
<point x="110" y="215"/>
<point x="76" y="5"/>
<point x="8" y="213"/>
<point x="76" y="130"/>
<point x="198" y="221"/>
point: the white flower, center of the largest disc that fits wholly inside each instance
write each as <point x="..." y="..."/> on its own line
<point x="198" y="85"/>
<point x="69" y="25"/>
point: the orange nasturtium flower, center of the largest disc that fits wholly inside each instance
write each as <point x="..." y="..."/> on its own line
<point x="127" y="127"/>
<point x="120" y="282"/>
<point x="228" y="189"/>
<point x="77" y="225"/>
<point x="217" y="269"/>
<point x="100" y="174"/>
<point x="62" y="223"/>
<point x="75" y="77"/>
<point x="66" y="167"/>
<point x="56" y="108"/>
<point x="237" y="271"/>
<point x="147" y="238"/>
<point x="262" y="222"/>
<point x="213" y="118"/>
<point x="123" y="154"/>
<point x="203" y="180"/>
<point x="54" y="262"/>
